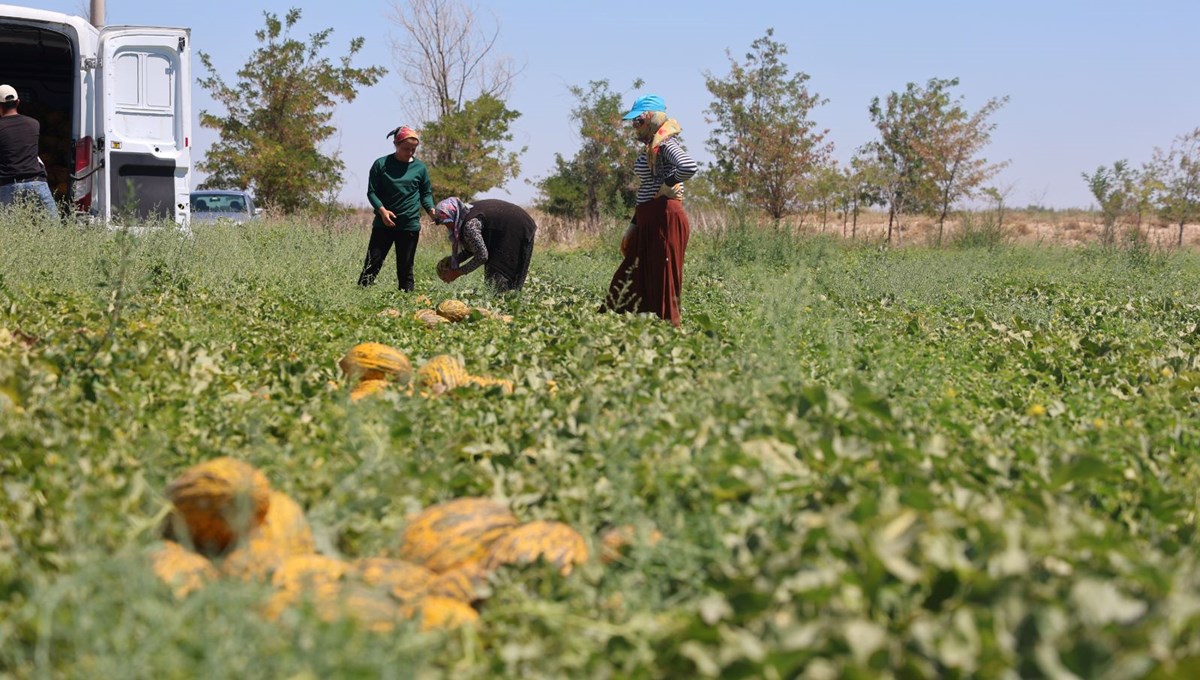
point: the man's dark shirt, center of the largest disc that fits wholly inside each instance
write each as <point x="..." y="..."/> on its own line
<point x="19" y="148"/>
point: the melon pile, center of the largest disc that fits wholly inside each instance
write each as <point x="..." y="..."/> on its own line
<point x="454" y="311"/>
<point x="227" y="522"/>
<point x="373" y="367"/>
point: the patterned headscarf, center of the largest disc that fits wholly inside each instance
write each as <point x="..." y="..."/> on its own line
<point x="452" y="213"/>
<point x="404" y="132"/>
<point x="664" y="129"/>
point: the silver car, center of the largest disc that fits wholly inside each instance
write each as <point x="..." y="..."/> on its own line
<point x="217" y="205"/>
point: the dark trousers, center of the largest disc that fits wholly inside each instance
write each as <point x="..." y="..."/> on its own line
<point x="381" y="242"/>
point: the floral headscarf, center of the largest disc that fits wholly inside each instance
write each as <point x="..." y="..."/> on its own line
<point x="452" y="213"/>
<point x="664" y="128"/>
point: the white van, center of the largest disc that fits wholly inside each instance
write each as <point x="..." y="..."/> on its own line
<point x="115" y="107"/>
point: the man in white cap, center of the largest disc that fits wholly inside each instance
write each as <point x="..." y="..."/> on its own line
<point x="22" y="173"/>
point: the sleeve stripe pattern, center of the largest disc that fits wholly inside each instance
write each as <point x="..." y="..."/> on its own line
<point x="674" y="166"/>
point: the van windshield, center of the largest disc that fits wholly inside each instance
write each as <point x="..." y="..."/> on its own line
<point x="218" y="203"/>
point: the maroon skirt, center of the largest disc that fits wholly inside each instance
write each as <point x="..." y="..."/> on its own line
<point x="650" y="278"/>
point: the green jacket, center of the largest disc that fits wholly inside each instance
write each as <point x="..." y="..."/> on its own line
<point x="403" y="188"/>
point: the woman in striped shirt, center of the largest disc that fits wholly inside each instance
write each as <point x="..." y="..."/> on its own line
<point x="650" y="278"/>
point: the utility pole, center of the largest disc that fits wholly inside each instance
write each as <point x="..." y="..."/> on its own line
<point x="97" y="13"/>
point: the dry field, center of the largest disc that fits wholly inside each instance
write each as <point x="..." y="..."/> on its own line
<point x="1070" y="228"/>
<point x="1063" y="227"/>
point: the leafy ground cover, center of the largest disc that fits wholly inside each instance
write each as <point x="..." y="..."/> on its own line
<point x="864" y="462"/>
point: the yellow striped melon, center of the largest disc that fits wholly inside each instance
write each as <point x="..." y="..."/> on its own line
<point x="459" y="584"/>
<point x="370" y="608"/>
<point x="442" y="373"/>
<point x="181" y="569"/>
<point x="376" y="361"/>
<point x="429" y="317"/>
<point x="455" y="534"/>
<point x="489" y="314"/>
<point x="404" y="580"/>
<point x="444" y="613"/>
<point x="615" y="542"/>
<point x="505" y="386"/>
<point x="284" y="533"/>
<point x="366" y="388"/>
<point x="553" y="542"/>
<point x="217" y="503"/>
<point x="453" y="310"/>
<point x="299" y="572"/>
<point x="256" y="559"/>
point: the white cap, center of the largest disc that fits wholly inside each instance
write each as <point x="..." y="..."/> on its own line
<point x="8" y="93"/>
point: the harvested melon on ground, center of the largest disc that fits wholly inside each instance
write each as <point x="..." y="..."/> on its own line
<point x="301" y="572"/>
<point x="453" y="310"/>
<point x="505" y="386"/>
<point x="368" y="607"/>
<point x="441" y="374"/>
<point x="553" y="542"/>
<point x="368" y="388"/>
<point x="456" y="533"/>
<point x="312" y="577"/>
<point x="217" y="503"/>
<point x="444" y="613"/>
<point x="460" y="584"/>
<point x="376" y="361"/>
<point x="284" y="533"/>
<point x="254" y="560"/>
<point x="404" y="580"/>
<point x="489" y="314"/>
<point x="615" y="542"/>
<point x="286" y="526"/>
<point x="429" y="317"/>
<point x="181" y="569"/>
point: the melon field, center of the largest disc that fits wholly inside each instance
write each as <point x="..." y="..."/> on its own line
<point x="849" y="462"/>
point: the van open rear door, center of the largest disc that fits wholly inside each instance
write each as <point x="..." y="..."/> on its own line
<point x="145" y="108"/>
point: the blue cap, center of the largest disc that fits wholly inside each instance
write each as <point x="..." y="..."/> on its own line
<point x="650" y="102"/>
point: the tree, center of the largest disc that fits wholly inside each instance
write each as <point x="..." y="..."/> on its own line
<point x="459" y="88"/>
<point x="1113" y="189"/>
<point x="278" y="114"/>
<point x="826" y="189"/>
<point x="764" y="143"/>
<point x="930" y="143"/>
<point x="950" y="152"/>
<point x="598" y="180"/>
<point x="1176" y="174"/>
<point x="469" y="154"/>
<point x="866" y="180"/>
<point x="901" y="120"/>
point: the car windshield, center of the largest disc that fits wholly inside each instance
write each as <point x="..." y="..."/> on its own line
<point x="230" y="203"/>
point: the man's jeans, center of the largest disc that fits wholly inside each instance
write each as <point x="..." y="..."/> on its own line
<point x="35" y="190"/>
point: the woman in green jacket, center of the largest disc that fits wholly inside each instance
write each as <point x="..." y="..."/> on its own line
<point x="399" y="190"/>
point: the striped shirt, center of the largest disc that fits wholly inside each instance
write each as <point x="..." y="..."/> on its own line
<point x="674" y="165"/>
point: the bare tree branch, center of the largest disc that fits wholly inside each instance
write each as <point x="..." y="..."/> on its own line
<point x="447" y="57"/>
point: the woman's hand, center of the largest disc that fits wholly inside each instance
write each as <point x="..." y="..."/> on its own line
<point x="388" y="217"/>
<point x="675" y="192"/>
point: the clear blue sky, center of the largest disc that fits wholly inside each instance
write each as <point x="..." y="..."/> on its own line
<point x="1090" y="81"/>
